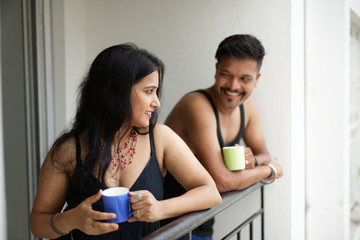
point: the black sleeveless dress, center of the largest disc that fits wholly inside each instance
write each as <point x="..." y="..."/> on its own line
<point x="150" y="179"/>
<point x="172" y="188"/>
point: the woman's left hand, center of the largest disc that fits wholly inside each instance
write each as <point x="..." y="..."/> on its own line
<point x="145" y="207"/>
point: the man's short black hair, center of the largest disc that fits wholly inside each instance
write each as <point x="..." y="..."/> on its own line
<point x="242" y="46"/>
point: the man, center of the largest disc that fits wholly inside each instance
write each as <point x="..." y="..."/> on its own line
<point x="223" y="114"/>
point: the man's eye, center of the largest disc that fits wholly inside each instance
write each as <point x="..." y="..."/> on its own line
<point x="224" y="75"/>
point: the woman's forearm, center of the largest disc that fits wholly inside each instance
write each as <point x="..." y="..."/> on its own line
<point x="43" y="225"/>
<point x="192" y="200"/>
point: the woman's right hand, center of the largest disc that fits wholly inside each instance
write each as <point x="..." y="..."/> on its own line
<point x="86" y="219"/>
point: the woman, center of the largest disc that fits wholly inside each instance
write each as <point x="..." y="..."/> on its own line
<point x="114" y="142"/>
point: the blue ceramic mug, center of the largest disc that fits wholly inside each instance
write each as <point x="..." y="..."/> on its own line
<point x="117" y="200"/>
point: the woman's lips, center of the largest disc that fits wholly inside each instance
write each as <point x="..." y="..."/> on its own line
<point x="148" y="114"/>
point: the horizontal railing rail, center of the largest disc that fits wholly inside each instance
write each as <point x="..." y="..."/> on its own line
<point x="184" y="225"/>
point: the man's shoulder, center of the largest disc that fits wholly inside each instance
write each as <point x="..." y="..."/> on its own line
<point x="194" y="99"/>
<point x="249" y="105"/>
<point x="191" y="109"/>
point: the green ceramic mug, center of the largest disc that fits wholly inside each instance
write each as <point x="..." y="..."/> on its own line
<point x="234" y="157"/>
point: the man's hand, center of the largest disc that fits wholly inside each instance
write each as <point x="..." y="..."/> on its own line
<point x="279" y="170"/>
<point x="249" y="157"/>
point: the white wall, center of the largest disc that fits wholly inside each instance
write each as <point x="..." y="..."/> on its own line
<point x="355" y="128"/>
<point x="355" y="6"/>
<point x="3" y="224"/>
<point x="327" y="119"/>
<point x="58" y="53"/>
<point x="297" y="121"/>
<point x="185" y="35"/>
<point x="75" y="51"/>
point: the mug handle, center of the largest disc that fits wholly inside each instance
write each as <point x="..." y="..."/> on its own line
<point x="130" y="213"/>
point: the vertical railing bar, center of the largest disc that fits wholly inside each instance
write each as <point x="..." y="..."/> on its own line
<point x="262" y="214"/>
<point x="243" y="224"/>
<point x="188" y="236"/>
<point x="238" y="235"/>
<point x="251" y="230"/>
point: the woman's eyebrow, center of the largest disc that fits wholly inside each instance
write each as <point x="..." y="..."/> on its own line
<point x="152" y="86"/>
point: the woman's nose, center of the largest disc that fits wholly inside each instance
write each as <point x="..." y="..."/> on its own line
<point x="155" y="103"/>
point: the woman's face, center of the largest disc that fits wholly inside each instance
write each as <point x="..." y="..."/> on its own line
<point x="144" y="100"/>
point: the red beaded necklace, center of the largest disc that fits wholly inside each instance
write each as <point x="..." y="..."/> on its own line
<point x="119" y="157"/>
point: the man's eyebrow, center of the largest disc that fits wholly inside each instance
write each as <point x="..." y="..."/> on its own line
<point x="243" y="75"/>
<point x="224" y="70"/>
<point x="247" y="75"/>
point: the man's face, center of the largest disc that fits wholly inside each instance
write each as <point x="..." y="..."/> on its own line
<point x="235" y="80"/>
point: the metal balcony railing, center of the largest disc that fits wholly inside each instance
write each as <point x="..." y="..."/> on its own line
<point x="184" y="225"/>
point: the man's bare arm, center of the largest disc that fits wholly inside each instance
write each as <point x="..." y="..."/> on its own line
<point x="254" y="137"/>
<point x="198" y="125"/>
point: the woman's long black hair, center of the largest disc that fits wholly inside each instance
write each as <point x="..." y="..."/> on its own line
<point x="104" y="105"/>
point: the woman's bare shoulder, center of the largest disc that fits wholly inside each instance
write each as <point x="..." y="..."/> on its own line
<point x="62" y="155"/>
<point x="162" y="130"/>
<point x="164" y="135"/>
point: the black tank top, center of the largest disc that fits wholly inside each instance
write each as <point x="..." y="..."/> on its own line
<point x="218" y="130"/>
<point x="150" y="179"/>
<point x="173" y="189"/>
